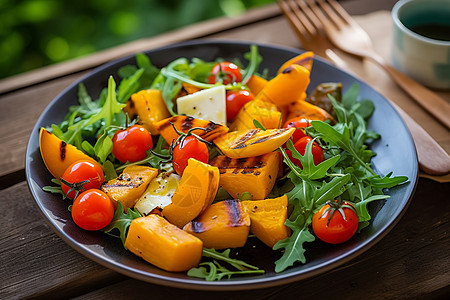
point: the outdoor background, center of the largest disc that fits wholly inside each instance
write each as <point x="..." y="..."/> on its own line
<point x="36" y="33"/>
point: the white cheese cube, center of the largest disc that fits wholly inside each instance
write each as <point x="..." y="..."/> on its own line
<point x="208" y="104"/>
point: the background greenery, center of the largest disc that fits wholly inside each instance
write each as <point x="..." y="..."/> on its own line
<point x="35" y="33"/>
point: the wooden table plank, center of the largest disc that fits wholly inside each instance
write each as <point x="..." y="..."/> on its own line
<point x="30" y="251"/>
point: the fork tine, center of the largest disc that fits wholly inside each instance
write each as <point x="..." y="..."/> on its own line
<point x="292" y="18"/>
<point x="319" y="15"/>
<point x="302" y="19"/>
<point x="306" y="10"/>
<point x="341" y="11"/>
<point x="326" y="13"/>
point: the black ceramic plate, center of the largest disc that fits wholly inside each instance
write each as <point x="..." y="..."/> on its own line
<point x="396" y="152"/>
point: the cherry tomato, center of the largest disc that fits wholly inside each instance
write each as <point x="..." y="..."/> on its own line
<point x="298" y="123"/>
<point x="81" y="176"/>
<point x="235" y="100"/>
<point x="189" y="147"/>
<point x="92" y="210"/>
<point x="132" y="144"/>
<point x="340" y="228"/>
<point x="226" y="72"/>
<point x="300" y="146"/>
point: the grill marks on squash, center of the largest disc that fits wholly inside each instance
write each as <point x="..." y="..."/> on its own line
<point x="235" y="215"/>
<point x="209" y="131"/>
<point x="188" y="123"/>
<point x="248" y="165"/>
<point x="250" y="139"/>
<point x="62" y="150"/>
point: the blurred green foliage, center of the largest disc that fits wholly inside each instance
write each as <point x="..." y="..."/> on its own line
<point x="35" y="33"/>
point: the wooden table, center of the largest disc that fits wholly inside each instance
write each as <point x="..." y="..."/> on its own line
<point x="412" y="261"/>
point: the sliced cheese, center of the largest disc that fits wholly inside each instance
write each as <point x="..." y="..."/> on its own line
<point x="158" y="193"/>
<point x="208" y="104"/>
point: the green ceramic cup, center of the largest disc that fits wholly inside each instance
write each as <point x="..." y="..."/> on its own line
<point x="421" y="41"/>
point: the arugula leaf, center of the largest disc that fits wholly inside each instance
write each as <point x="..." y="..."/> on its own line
<point x="218" y="271"/>
<point x="121" y="221"/>
<point x="110" y="172"/>
<point x="254" y="60"/>
<point x="103" y="147"/>
<point x="128" y="86"/>
<point x="54" y="189"/>
<point x="293" y="245"/>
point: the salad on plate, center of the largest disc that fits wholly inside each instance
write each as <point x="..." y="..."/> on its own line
<point x="187" y="162"/>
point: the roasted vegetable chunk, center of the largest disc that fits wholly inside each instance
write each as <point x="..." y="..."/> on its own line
<point x="162" y="244"/>
<point x="255" y="175"/>
<point x="222" y="225"/>
<point x="149" y="106"/>
<point x="195" y="192"/>
<point x="264" y="112"/>
<point x="319" y="96"/>
<point x="209" y="132"/>
<point x="130" y="185"/>
<point x="253" y="142"/>
<point x="267" y="219"/>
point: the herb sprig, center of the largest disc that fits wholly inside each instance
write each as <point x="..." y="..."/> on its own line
<point x="346" y="173"/>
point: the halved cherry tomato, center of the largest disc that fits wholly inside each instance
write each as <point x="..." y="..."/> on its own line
<point x="335" y="223"/>
<point x="235" y="100"/>
<point x="300" y="146"/>
<point x="299" y="122"/>
<point x="189" y="147"/>
<point x="227" y="72"/>
<point x="81" y="176"/>
<point x="132" y="143"/>
<point x="92" y="210"/>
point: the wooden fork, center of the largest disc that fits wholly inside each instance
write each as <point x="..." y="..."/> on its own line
<point x="348" y="36"/>
<point x="433" y="159"/>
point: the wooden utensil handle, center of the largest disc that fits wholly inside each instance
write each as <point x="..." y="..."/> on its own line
<point x="429" y="100"/>
<point x="433" y="159"/>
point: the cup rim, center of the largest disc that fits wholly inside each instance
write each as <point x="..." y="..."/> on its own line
<point x="396" y="19"/>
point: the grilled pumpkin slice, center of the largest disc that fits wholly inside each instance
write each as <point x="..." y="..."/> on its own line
<point x="255" y="175"/>
<point x="130" y="185"/>
<point x="224" y="224"/>
<point x="57" y="154"/>
<point x="195" y="192"/>
<point x="149" y="106"/>
<point x="209" y="132"/>
<point x="264" y="112"/>
<point x="253" y="142"/>
<point x="163" y="244"/>
<point x="301" y="108"/>
<point x="267" y="219"/>
<point x="305" y="59"/>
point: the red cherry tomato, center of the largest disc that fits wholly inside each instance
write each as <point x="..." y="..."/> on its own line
<point x="340" y="228"/>
<point x="132" y="144"/>
<point x="226" y="72"/>
<point x="81" y="176"/>
<point x="300" y="146"/>
<point x="189" y="147"/>
<point x="92" y="210"/>
<point x="298" y="123"/>
<point x="235" y="100"/>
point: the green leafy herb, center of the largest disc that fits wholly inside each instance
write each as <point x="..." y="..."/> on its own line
<point x="54" y="189"/>
<point x="121" y="221"/>
<point x="217" y="271"/>
<point x="346" y="173"/>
